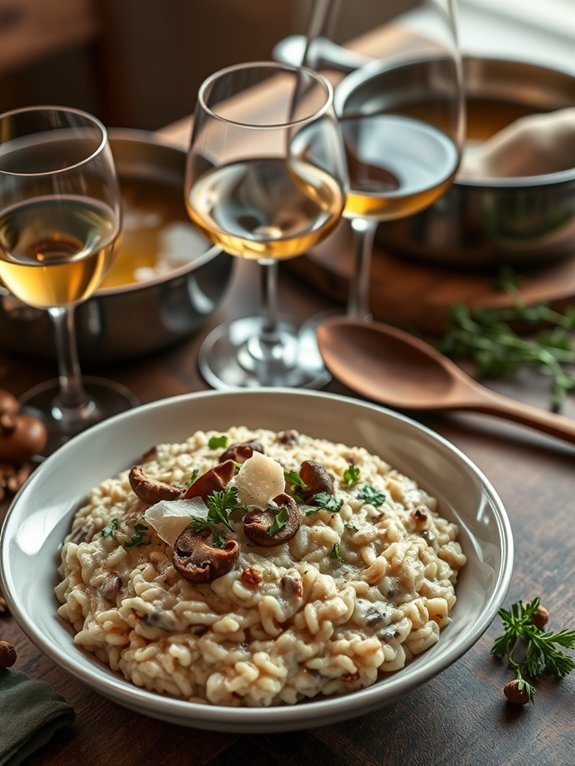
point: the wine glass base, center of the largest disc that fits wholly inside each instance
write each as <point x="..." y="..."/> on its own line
<point x="105" y="398"/>
<point x="225" y="361"/>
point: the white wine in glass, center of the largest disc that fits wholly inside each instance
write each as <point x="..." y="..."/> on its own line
<point x="60" y="216"/>
<point x="402" y="116"/>
<point x="265" y="181"/>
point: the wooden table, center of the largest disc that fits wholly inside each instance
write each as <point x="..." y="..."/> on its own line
<point x="459" y="718"/>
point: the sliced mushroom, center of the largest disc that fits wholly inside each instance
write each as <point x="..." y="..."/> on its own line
<point x="258" y="521"/>
<point x="111" y="586"/>
<point x="240" y="452"/>
<point x="198" y="561"/>
<point x="150" y="490"/>
<point x="288" y="438"/>
<point x="316" y="479"/>
<point x="213" y="480"/>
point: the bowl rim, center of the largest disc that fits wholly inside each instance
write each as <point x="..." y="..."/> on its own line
<point x="149" y="138"/>
<point x="275" y="718"/>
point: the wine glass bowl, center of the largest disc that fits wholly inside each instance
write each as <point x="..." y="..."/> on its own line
<point x="402" y="117"/>
<point x="60" y="215"/>
<point x="265" y="181"/>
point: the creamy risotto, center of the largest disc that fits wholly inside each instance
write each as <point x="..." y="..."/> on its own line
<point x="253" y="568"/>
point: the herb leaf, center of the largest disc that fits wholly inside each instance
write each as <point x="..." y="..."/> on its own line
<point x="486" y="337"/>
<point x="335" y="553"/>
<point x="540" y="653"/>
<point x="139" y="537"/>
<point x="215" y="442"/>
<point x="351" y="475"/>
<point x="328" y="502"/>
<point x="371" y="495"/>
<point x="296" y="482"/>
<point x="279" y="522"/>
<point x="111" y="529"/>
<point x="221" y="505"/>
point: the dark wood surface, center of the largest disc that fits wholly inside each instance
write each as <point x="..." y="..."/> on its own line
<point x="458" y="718"/>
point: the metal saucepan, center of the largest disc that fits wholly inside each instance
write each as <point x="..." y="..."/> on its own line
<point x="491" y="221"/>
<point x="478" y="222"/>
<point x="123" y="322"/>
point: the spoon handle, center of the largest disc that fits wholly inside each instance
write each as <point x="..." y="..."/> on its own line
<point x="495" y="404"/>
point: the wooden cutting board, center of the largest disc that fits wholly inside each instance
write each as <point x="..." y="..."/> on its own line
<point x="418" y="295"/>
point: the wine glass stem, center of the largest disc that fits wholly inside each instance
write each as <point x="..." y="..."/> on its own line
<point x="72" y="397"/>
<point x="269" y="301"/>
<point x="363" y="234"/>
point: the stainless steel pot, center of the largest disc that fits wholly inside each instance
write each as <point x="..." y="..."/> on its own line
<point x="121" y="323"/>
<point x="487" y="222"/>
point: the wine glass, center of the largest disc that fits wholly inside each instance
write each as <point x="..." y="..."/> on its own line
<point x="60" y="214"/>
<point x="402" y="117"/>
<point x="265" y="180"/>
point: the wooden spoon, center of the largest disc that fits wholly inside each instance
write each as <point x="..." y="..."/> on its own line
<point x="392" y="367"/>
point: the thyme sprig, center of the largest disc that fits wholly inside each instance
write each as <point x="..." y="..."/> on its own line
<point x="529" y="649"/>
<point x="486" y="337"/>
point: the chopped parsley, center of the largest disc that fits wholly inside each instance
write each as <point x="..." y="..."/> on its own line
<point x="193" y="476"/>
<point x="111" y="529"/>
<point x="294" y="479"/>
<point x="221" y="505"/>
<point x="139" y="537"/>
<point x="351" y="527"/>
<point x="371" y="495"/>
<point x="279" y="522"/>
<point x="328" y="502"/>
<point x="218" y="539"/>
<point x="351" y="475"/>
<point x="215" y="442"/>
<point x="335" y="553"/>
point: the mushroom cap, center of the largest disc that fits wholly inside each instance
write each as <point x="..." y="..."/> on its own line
<point x="257" y="522"/>
<point x="198" y="561"/>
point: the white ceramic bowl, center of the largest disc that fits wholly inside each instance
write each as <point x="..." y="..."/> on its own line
<point x="42" y="511"/>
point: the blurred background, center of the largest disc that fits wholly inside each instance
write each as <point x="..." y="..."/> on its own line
<point x="138" y="63"/>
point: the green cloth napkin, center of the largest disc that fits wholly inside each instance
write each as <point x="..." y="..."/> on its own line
<point x="30" y="713"/>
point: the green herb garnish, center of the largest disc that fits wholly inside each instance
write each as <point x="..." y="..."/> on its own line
<point x="296" y="482"/>
<point x="486" y="337"/>
<point x="218" y="539"/>
<point x="351" y="527"/>
<point x="351" y="475"/>
<point x="139" y="537"/>
<point x="215" y="442"/>
<point x="193" y="476"/>
<point x="327" y="502"/>
<point x="111" y="529"/>
<point x="221" y="505"/>
<point x="536" y="647"/>
<point x="335" y="553"/>
<point x="279" y="522"/>
<point x="371" y="495"/>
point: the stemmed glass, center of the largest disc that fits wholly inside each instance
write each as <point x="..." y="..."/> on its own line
<point x="60" y="214"/>
<point x="402" y="117"/>
<point x="265" y="180"/>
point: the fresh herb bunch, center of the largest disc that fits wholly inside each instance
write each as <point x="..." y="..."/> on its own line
<point x="486" y="337"/>
<point x="523" y="634"/>
<point x="220" y="505"/>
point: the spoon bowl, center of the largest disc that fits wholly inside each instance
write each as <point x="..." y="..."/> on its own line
<point x="394" y="368"/>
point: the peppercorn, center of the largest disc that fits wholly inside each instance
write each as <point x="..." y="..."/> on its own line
<point x="7" y="654"/>
<point x="540" y="617"/>
<point x="516" y="693"/>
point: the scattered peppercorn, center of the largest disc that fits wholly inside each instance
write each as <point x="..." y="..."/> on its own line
<point x="7" y="654"/>
<point x="516" y="692"/>
<point x="540" y="617"/>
